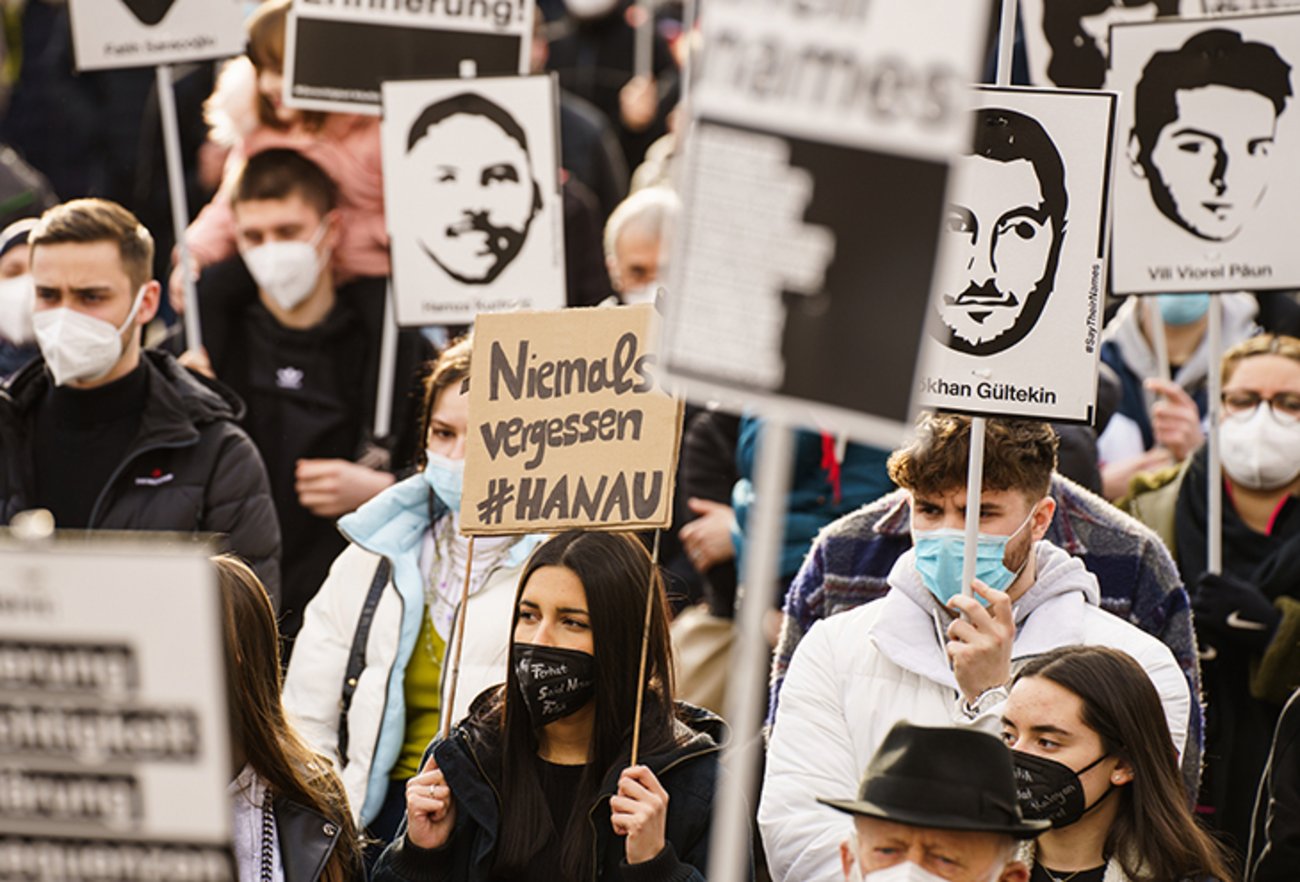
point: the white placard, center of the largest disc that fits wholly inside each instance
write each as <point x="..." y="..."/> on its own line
<point x="113" y="710"/>
<point x="813" y="186"/>
<point x="1016" y="322"/>
<point x="472" y="195"/>
<point x="1066" y="41"/>
<point x="144" y="33"/>
<point x="1205" y="182"/>
<point x="338" y="53"/>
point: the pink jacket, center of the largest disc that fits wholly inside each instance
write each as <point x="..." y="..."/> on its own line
<point x="346" y="147"/>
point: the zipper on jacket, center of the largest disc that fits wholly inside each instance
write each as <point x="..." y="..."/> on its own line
<point x="121" y="467"/>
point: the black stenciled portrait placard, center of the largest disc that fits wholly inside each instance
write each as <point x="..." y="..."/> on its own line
<point x="569" y="425"/>
<point x="1205" y="191"/>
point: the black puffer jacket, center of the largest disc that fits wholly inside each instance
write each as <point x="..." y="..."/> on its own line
<point x="688" y="772"/>
<point x="190" y="469"/>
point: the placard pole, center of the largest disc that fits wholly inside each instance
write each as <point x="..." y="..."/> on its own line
<point x="171" y="134"/>
<point x="1214" y="470"/>
<point x="449" y="704"/>
<point x="974" y="487"/>
<point x="387" y="366"/>
<point x="643" y="64"/>
<point x="645" y="645"/>
<point x="1155" y="324"/>
<point x="750" y="659"/>
<point x="1006" y="41"/>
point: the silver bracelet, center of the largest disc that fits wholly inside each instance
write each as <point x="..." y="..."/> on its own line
<point x="984" y="701"/>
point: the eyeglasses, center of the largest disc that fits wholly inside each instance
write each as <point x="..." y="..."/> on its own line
<point x="1285" y="406"/>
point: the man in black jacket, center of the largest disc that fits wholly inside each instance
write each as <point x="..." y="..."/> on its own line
<point x="108" y="437"/>
<point x="303" y="353"/>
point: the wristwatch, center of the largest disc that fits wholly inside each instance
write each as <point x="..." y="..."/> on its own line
<point x="984" y="702"/>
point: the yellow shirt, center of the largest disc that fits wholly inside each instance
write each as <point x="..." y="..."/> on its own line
<point x="423" y="694"/>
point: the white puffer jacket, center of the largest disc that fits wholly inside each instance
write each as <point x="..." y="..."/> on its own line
<point x="858" y="673"/>
<point x="393" y="525"/>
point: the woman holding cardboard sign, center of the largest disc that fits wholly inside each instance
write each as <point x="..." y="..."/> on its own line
<point x="536" y="782"/>
<point x="368" y="676"/>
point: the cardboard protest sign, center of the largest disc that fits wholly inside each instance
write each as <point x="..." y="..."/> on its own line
<point x="1018" y="295"/>
<point x="472" y="194"/>
<point x="144" y="33"/>
<point x="339" y="52"/>
<point x="1205" y="191"/>
<point x="113" y="712"/>
<point x="569" y="424"/>
<point x="1220" y="7"/>
<point x="813" y="187"/>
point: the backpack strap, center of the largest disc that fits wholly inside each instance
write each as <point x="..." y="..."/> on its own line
<point x="357" y="656"/>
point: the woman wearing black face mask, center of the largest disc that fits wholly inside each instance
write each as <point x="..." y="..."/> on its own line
<point x="535" y="783"/>
<point x="1093" y="754"/>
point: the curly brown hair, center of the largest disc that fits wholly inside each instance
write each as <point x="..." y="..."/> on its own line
<point x="1018" y="455"/>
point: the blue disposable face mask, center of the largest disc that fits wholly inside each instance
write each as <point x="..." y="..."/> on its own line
<point x="446" y="476"/>
<point x="1183" y="309"/>
<point x="939" y="560"/>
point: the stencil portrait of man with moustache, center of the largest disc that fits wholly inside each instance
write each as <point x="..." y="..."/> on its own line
<point x="1010" y="216"/>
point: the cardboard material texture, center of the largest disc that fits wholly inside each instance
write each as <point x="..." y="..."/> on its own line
<point x="570" y="425"/>
<point x="145" y="33"/>
<point x="113" y="727"/>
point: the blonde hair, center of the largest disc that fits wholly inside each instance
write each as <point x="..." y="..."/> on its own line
<point x="1262" y="344"/>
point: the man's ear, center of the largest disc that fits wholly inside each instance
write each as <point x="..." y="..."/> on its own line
<point x="149" y="303"/>
<point x="333" y="222"/>
<point x="846" y="858"/>
<point x="1014" y="871"/>
<point x="1041" y="520"/>
<point x="1134" y="150"/>
<point x="615" y="277"/>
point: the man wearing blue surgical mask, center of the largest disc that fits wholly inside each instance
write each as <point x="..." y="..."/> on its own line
<point x="107" y="435"/>
<point x="303" y="354"/>
<point x="928" y="654"/>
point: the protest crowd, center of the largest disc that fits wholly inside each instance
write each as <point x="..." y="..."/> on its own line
<point x="1114" y="696"/>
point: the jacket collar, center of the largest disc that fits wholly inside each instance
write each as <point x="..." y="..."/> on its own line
<point x="909" y="629"/>
<point x="394" y="522"/>
<point x="307" y="839"/>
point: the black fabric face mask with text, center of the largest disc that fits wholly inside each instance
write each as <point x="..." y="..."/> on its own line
<point x="1051" y="791"/>
<point x="553" y="682"/>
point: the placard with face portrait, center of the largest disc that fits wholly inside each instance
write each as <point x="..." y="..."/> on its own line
<point x="1067" y="41"/>
<point x="472" y="195"/>
<point x="143" y="33"/>
<point x="1205" y="178"/>
<point x="1014" y="328"/>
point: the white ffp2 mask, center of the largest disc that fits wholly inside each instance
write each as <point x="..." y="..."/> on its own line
<point x="1258" y="452"/>
<point x="286" y="271"/>
<point x="77" y="346"/>
<point x="17" y="299"/>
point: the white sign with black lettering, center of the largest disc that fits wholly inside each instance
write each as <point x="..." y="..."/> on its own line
<point x="1205" y="192"/>
<point x="144" y="33"/>
<point x="813" y="185"/>
<point x="1016" y="320"/>
<point x="338" y="53"/>
<point x="113" y="725"/>
<point x="472" y="195"/>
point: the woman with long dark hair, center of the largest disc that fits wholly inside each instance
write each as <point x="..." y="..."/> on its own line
<point x="1093" y="755"/>
<point x="291" y="818"/>
<point x="535" y="783"/>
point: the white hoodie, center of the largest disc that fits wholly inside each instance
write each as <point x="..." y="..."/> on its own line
<point x="858" y="673"/>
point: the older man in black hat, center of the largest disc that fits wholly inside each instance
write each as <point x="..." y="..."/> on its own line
<point x="936" y="805"/>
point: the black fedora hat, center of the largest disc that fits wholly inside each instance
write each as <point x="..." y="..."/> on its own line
<point x="948" y="779"/>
